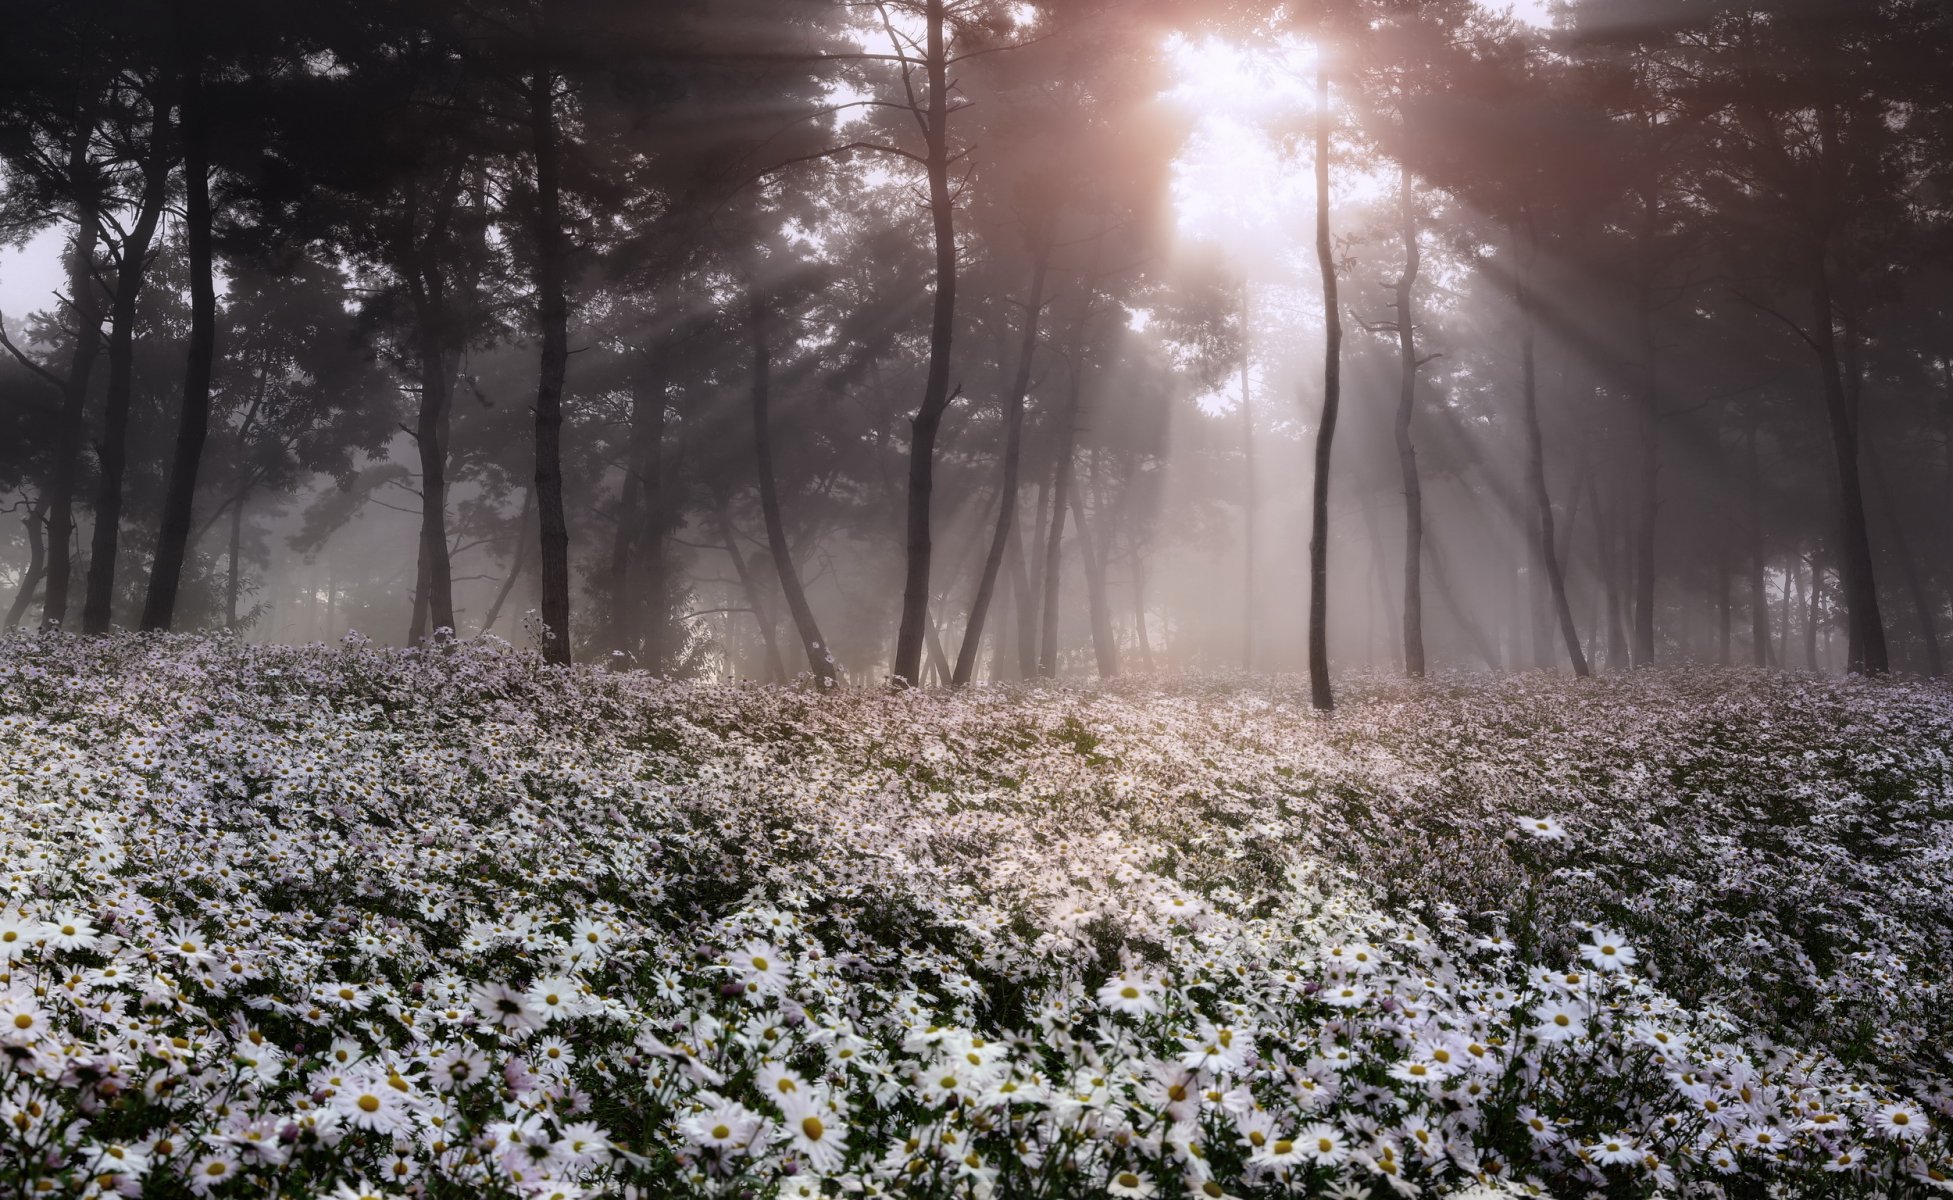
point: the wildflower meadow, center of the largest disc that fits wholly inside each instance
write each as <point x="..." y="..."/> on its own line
<point x="348" y="921"/>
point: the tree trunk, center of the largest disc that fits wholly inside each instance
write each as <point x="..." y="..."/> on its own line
<point x="1481" y="642"/>
<point x="1013" y="454"/>
<point x="1915" y="582"/>
<point x="654" y="579"/>
<point x="232" y="581"/>
<point x="1723" y="603"/>
<point x="1413" y="613"/>
<point x="1024" y="605"/>
<point x="1030" y="632"/>
<point x="63" y="477"/>
<point x="1649" y="464"/>
<point x="1105" y="647"/>
<point x="193" y="423"/>
<point x="1759" y="597"/>
<point x="1320" y="693"/>
<point x="1250" y="499"/>
<point x="755" y="598"/>
<point x="131" y="271"/>
<point x="36" y="561"/>
<point x="1547" y="553"/>
<point x="1811" y="611"/>
<point x="434" y="583"/>
<point x="935" y="391"/>
<point x="553" y="312"/>
<point x="1061" y="488"/>
<point x="1867" y="627"/>
<point x="636" y="583"/>
<point x="819" y="660"/>
<point x="516" y="561"/>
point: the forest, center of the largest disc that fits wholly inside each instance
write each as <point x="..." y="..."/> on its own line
<point x="988" y="341"/>
<point x="976" y="599"/>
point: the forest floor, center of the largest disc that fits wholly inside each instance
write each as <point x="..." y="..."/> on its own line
<point x="355" y="921"/>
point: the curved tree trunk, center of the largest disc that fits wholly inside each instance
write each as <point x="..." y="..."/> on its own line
<point x="820" y="660"/>
<point x="36" y="561"/>
<point x="132" y="270"/>
<point x="755" y="599"/>
<point x="907" y="667"/>
<point x="516" y="561"/>
<point x="1332" y="381"/>
<point x="993" y="563"/>
<point x="1546" y="551"/>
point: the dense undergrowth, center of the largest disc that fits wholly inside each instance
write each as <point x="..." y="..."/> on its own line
<point x="350" y="921"/>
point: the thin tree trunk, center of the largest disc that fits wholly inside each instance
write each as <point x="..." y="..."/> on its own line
<point x="935" y="391"/>
<point x="131" y="272"/>
<point x="1724" y="604"/>
<point x="1481" y="642"/>
<point x="86" y="291"/>
<point x="36" y="561"/>
<point x="232" y="581"/>
<point x="1547" y="552"/>
<point x="1759" y="598"/>
<point x="1649" y="464"/>
<point x="762" y="615"/>
<point x="517" y="561"/>
<point x="1250" y="499"/>
<point x="1053" y="550"/>
<point x="1413" y="613"/>
<point x="820" y="660"/>
<point x="1332" y="381"/>
<point x="1811" y="611"/>
<point x="1867" y="627"/>
<point x="1105" y="647"/>
<point x="939" y="667"/>
<point x="553" y="312"/>
<point x="1030" y="635"/>
<point x="635" y="536"/>
<point x="193" y="423"/>
<point x="1013" y="454"/>
<point x="1024" y="604"/>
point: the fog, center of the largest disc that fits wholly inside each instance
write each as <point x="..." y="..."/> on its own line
<point x="965" y="342"/>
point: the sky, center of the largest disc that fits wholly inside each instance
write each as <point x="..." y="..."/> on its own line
<point x="31" y="274"/>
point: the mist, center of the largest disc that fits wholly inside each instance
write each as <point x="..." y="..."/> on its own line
<point x="729" y="342"/>
<point x="976" y="599"/>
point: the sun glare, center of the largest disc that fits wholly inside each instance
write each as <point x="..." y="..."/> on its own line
<point x="1237" y="186"/>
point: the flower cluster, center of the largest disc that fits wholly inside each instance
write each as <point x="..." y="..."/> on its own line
<point x="348" y="921"/>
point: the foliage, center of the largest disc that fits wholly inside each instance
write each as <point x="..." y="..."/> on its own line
<point x="445" y="922"/>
